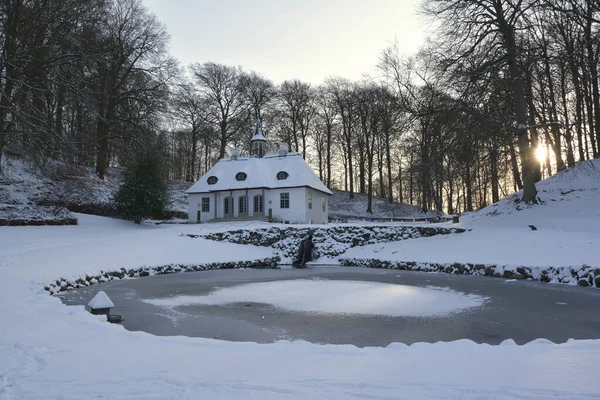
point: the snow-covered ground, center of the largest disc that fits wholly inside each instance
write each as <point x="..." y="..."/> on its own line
<point x="50" y="351"/>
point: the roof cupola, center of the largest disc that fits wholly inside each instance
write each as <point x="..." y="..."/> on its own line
<point x="258" y="143"/>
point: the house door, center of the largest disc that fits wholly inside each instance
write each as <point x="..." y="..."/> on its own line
<point x="228" y="207"/>
<point x="242" y="206"/>
<point x="259" y="209"/>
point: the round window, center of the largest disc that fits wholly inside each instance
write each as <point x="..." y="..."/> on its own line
<point x="241" y="176"/>
<point x="212" y="180"/>
<point x="281" y="175"/>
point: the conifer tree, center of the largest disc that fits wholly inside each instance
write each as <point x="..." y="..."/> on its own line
<point x="143" y="192"/>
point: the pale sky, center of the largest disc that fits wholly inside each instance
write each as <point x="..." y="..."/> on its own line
<point x="285" y="39"/>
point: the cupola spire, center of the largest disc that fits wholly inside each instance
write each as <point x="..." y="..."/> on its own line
<point x="258" y="143"/>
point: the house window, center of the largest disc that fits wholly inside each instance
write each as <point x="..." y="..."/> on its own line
<point x="284" y="200"/>
<point x="242" y="205"/>
<point x="323" y="203"/>
<point x="281" y="175"/>
<point x="258" y="203"/>
<point x="205" y="204"/>
<point x="310" y="201"/>
<point x="241" y="176"/>
<point x="212" y="180"/>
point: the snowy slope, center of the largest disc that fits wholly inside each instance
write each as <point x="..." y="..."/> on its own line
<point x="569" y="200"/>
<point x="567" y="235"/>
<point x="342" y="206"/>
<point x="28" y="192"/>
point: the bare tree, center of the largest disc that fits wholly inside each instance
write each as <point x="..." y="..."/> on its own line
<point x="484" y="26"/>
<point x="226" y="107"/>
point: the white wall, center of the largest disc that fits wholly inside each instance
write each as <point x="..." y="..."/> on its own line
<point x="297" y="213"/>
<point x="316" y="214"/>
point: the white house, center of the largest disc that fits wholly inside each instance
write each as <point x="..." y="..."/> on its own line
<point x="278" y="186"/>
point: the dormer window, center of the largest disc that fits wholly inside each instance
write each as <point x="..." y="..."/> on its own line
<point x="240" y="176"/>
<point x="281" y="175"/>
<point x="212" y="180"/>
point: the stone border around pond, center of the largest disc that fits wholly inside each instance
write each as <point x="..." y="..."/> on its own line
<point x="62" y="285"/>
<point x="582" y="276"/>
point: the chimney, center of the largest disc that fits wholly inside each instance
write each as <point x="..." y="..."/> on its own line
<point x="235" y="153"/>
<point x="283" y="149"/>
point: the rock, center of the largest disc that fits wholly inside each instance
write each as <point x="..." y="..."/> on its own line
<point x="497" y="275"/>
<point x="583" y="282"/>
<point x="518" y="276"/>
<point x="507" y="274"/>
<point x="597" y="281"/>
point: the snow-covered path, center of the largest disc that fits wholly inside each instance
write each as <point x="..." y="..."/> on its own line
<point x="49" y="351"/>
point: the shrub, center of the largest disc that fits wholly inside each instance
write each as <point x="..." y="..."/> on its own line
<point x="143" y="192"/>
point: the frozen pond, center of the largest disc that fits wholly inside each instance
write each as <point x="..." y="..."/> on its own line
<point x="345" y="305"/>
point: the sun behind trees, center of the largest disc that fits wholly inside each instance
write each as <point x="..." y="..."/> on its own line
<point x="454" y="127"/>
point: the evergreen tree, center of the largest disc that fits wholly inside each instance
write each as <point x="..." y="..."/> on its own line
<point x="143" y="192"/>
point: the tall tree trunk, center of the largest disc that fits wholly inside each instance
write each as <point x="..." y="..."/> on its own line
<point x="102" y="133"/>
<point x="589" y="116"/>
<point x="515" y="166"/>
<point x="536" y="165"/>
<point x="494" y="173"/>
<point x="529" y="189"/>
<point x="194" y="155"/>
<point x="468" y="189"/>
<point x="593" y="66"/>
<point x="556" y="145"/>
<point x="400" y="194"/>
<point x="328" y="160"/>
<point x="388" y="160"/>
<point x="568" y="135"/>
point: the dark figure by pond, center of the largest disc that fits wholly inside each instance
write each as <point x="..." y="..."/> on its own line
<point x="305" y="251"/>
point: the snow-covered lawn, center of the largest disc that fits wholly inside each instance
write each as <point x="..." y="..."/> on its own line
<point x="50" y="351"/>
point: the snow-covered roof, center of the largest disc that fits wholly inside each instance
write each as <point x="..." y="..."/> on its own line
<point x="100" y="300"/>
<point x="258" y="133"/>
<point x="261" y="173"/>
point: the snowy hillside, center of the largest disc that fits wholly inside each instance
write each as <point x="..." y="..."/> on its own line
<point x="568" y="200"/>
<point x="31" y="194"/>
<point x="342" y="206"/>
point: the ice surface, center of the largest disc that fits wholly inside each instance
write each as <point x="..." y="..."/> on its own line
<point x="338" y="297"/>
